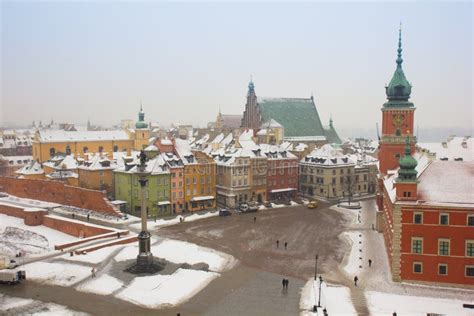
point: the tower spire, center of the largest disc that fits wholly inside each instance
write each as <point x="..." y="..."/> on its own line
<point x="399" y="50"/>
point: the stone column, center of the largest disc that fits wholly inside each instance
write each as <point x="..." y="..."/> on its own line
<point x="145" y="257"/>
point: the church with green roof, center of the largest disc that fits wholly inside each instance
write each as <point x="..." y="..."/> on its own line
<point x="299" y="118"/>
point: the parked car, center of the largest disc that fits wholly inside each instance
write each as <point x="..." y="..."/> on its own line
<point x="312" y="204"/>
<point x="248" y="207"/>
<point x="224" y="212"/>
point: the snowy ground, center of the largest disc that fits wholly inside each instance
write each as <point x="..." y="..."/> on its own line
<point x="103" y="285"/>
<point x="28" y="239"/>
<point x="336" y="299"/>
<point x="23" y="306"/>
<point x="353" y="263"/>
<point x="176" y="220"/>
<point x="56" y="273"/>
<point x="386" y="304"/>
<point x="93" y="257"/>
<point x="166" y="290"/>
<point x="183" y="252"/>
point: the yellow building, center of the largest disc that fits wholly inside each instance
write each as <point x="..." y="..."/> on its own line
<point x="199" y="178"/>
<point x="96" y="173"/>
<point x="48" y="143"/>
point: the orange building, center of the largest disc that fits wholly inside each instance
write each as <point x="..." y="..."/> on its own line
<point x="426" y="207"/>
<point x="97" y="174"/>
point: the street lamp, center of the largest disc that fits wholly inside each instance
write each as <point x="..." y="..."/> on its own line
<point x="320" y="281"/>
<point x="316" y="268"/>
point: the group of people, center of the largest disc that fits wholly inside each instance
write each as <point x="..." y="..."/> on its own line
<point x="278" y="244"/>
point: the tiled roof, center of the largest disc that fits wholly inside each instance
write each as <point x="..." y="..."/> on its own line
<point x="299" y="117"/>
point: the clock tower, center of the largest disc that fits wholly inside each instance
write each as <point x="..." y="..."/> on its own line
<point x="397" y="118"/>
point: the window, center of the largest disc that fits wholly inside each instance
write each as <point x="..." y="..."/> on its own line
<point x="101" y="173"/>
<point x="443" y="247"/>
<point x="158" y="181"/>
<point x="418" y="218"/>
<point x="188" y="192"/>
<point x="470" y="271"/>
<point x="194" y="191"/>
<point x="203" y="180"/>
<point x="115" y="148"/>
<point x="406" y="194"/>
<point x="334" y="172"/>
<point x="194" y="180"/>
<point x="135" y="193"/>
<point x="173" y="175"/>
<point x="470" y="220"/>
<point x="174" y="195"/>
<point x="101" y="149"/>
<point x="417" y="267"/>
<point x="52" y="152"/>
<point x="173" y="184"/>
<point x="442" y="269"/>
<point x="180" y="184"/>
<point x="68" y="150"/>
<point x="188" y="181"/>
<point x="469" y="248"/>
<point x="416" y="245"/>
<point x="444" y="219"/>
<point x="180" y="193"/>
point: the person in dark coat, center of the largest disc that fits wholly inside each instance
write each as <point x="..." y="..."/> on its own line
<point x="370" y="263"/>
<point x="355" y="280"/>
<point x="286" y="244"/>
<point x="278" y="243"/>
<point x="254" y="219"/>
<point x="283" y="283"/>
<point x="287" y="282"/>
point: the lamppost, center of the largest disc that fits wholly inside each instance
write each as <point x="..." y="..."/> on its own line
<point x="320" y="281"/>
<point x="316" y="268"/>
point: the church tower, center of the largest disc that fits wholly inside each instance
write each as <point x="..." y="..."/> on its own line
<point x="397" y="118"/>
<point x="406" y="184"/>
<point x="251" y="118"/>
<point x="142" y="132"/>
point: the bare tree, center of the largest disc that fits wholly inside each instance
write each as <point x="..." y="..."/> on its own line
<point x="348" y="187"/>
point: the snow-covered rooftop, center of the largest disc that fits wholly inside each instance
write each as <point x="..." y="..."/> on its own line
<point x="453" y="148"/>
<point x="329" y="156"/>
<point x="51" y="136"/>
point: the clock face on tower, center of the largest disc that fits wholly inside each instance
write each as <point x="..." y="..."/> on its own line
<point x="398" y="119"/>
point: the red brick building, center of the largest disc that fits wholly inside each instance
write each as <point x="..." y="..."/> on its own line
<point x="426" y="207"/>
<point x="282" y="173"/>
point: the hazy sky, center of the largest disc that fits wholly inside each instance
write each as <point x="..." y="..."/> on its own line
<point x="97" y="60"/>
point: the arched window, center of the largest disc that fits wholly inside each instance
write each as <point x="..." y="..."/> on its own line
<point x="85" y="149"/>
<point x="68" y="150"/>
<point x="115" y="148"/>
<point x="101" y="149"/>
<point x="52" y="152"/>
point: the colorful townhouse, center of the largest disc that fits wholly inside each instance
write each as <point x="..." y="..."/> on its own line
<point x="157" y="194"/>
<point x="96" y="173"/>
<point x="282" y="173"/>
<point x="199" y="177"/>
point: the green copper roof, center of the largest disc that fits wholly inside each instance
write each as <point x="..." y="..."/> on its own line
<point x="408" y="165"/>
<point x="331" y="134"/>
<point x="399" y="89"/>
<point x="299" y="117"/>
<point x="141" y="119"/>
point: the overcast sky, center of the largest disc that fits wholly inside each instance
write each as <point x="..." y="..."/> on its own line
<point x="97" y="60"/>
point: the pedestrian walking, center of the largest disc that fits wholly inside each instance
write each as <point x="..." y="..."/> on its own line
<point x="72" y="215"/>
<point x="287" y="282"/>
<point x="254" y="219"/>
<point x="355" y="280"/>
<point x="278" y="243"/>
<point x="286" y="244"/>
<point x="283" y="283"/>
<point x="93" y="272"/>
<point x="370" y="263"/>
<point x="88" y="217"/>
<point x="373" y="228"/>
<point x="118" y="234"/>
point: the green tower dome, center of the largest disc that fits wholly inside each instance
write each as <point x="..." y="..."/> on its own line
<point x="408" y="165"/>
<point x="399" y="89"/>
<point x="141" y="119"/>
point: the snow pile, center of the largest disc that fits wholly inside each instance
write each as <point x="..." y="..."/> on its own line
<point x="262" y="207"/>
<point x="277" y="205"/>
<point x="354" y="260"/>
<point x="166" y="290"/>
<point x="293" y="203"/>
<point x="103" y="285"/>
<point x="336" y="299"/>
<point x="183" y="252"/>
<point x="386" y="304"/>
<point x="56" y="273"/>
